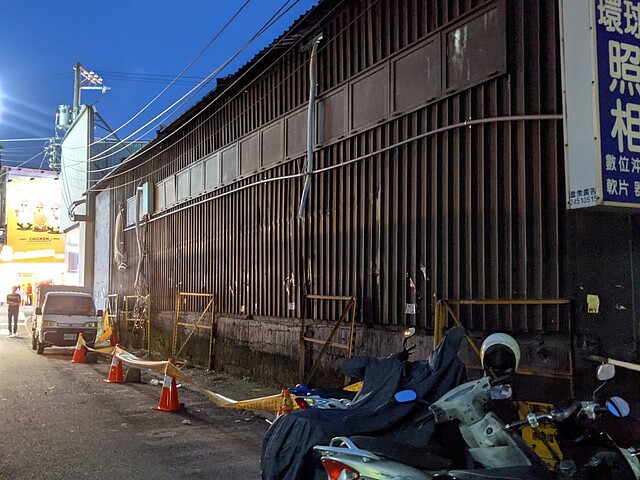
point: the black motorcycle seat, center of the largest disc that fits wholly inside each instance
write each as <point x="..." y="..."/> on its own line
<point x="421" y="458"/>
<point x="502" y="473"/>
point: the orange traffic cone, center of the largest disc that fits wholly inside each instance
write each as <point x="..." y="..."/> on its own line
<point x="287" y="403"/>
<point x="116" y="375"/>
<point x="114" y="339"/>
<point x="169" y="396"/>
<point x="78" y="353"/>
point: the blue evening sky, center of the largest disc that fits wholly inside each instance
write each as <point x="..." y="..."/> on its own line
<point x="137" y="46"/>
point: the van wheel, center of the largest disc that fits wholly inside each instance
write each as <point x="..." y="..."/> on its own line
<point x="39" y="348"/>
<point x="34" y="341"/>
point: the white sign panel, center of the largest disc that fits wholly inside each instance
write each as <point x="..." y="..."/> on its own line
<point x="601" y="75"/>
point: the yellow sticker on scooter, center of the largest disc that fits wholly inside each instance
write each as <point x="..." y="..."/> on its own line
<point x="543" y="439"/>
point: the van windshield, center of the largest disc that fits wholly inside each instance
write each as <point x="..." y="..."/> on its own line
<point x="69" y="305"/>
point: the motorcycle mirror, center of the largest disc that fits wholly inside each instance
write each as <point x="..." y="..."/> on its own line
<point x="605" y="372"/>
<point x="409" y="332"/>
<point x="501" y="392"/>
<point x="618" y="407"/>
<point x="405" y="396"/>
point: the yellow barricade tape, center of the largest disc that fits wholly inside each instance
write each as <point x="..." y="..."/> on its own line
<point x="272" y="403"/>
<point x="105" y="336"/>
<point x="354" y="387"/>
<point x="104" y="350"/>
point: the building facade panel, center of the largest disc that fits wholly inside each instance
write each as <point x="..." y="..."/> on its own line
<point x="453" y="191"/>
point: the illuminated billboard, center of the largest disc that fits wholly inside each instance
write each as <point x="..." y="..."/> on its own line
<point x="33" y="220"/>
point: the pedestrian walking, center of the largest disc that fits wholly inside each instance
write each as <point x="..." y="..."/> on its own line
<point x="13" y="300"/>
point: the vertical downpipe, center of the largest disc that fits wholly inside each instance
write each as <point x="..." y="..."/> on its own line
<point x="311" y="114"/>
<point x="306" y="271"/>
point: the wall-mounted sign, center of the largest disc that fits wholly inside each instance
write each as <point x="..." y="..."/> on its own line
<point x="33" y="220"/>
<point x="601" y="74"/>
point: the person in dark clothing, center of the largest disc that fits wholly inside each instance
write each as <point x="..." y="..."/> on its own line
<point x="13" y="300"/>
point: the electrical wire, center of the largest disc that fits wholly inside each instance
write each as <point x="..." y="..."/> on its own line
<point x="3" y="140"/>
<point x="215" y="37"/>
<point x="222" y="93"/>
<point x="100" y="156"/>
<point x="279" y="14"/>
<point x="344" y="163"/>
<point x="3" y="174"/>
<point x="230" y="100"/>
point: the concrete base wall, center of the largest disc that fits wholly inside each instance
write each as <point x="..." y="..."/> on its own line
<point x="267" y="350"/>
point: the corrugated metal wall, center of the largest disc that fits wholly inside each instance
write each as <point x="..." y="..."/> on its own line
<point x="473" y="211"/>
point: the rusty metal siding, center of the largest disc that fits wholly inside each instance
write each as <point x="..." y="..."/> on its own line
<point x="468" y="212"/>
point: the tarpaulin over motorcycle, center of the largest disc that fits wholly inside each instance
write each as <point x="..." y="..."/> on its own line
<point x="287" y="447"/>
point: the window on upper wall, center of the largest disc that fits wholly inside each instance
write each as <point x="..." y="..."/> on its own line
<point x="160" y="200"/>
<point x="417" y="76"/>
<point x="170" y="191"/>
<point x="183" y="184"/>
<point x="131" y="211"/>
<point x="212" y="172"/>
<point x="197" y="179"/>
<point x="250" y="153"/>
<point x="476" y="49"/>
<point x="331" y="117"/>
<point x="229" y="163"/>
<point x="296" y="137"/>
<point x="272" y="151"/>
<point x="370" y="98"/>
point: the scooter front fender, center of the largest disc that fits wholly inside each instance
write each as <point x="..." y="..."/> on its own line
<point x="375" y="468"/>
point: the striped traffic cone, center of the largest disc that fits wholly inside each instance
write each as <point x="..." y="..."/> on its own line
<point x="169" y="396"/>
<point x="116" y="375"/>
<point x="79" y="353"/>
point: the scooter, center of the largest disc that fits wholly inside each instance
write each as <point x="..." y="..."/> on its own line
<point x="335" y="399"/>
<point x="494" y="449"/>
<point x="287" y="451"/>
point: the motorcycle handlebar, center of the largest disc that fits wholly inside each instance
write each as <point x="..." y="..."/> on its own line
<point x="534" y="419"/>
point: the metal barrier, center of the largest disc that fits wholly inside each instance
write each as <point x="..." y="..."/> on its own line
<point x="444" y="309"/>
<point x="349" y="307"/>
<point x="112" y="313"/>
<point x="138" y="318"/>
<point x="194" y="326"/>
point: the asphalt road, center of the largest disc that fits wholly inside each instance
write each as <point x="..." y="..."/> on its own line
<point x="60" y="420"/>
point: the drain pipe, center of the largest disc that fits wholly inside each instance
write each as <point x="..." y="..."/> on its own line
<point x="311" y="113"/>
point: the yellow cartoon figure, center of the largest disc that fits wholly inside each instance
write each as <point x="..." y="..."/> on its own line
<point x="40" y="219"/>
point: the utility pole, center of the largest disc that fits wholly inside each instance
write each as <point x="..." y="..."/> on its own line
<point x="76" y="90"/>
<point x="85" y="80"/>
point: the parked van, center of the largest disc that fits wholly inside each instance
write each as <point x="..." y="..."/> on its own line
<point x="62" y="312"/>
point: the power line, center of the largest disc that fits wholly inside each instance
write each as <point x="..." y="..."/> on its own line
<point x="3" y="140"/>
<point x="215" y="37"/>
<point x="279" y="14"/>
<point x="232" y="98"/>
<point x="275" y="17"/>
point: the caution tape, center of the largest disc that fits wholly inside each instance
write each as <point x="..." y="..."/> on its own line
<point x="272" y="403"/>
<point x="103" y="350"/>
<point x="354" y="387"/>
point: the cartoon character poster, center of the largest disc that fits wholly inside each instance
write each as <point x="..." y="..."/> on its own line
<point x="33" y="219"/>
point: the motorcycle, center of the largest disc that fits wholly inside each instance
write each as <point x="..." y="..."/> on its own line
<point x="287" y="452"/>
<point x="306" y="397"/>
<point x="494" y="449"/>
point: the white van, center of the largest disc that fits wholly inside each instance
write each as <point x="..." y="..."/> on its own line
<point x="61" y="316"/>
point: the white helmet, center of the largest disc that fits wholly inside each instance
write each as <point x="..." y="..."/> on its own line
<point x="500" y="352"/>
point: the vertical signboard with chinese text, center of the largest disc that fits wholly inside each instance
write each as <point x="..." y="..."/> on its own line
<point x="601" y="90"/>
<point x="618" y="53"/>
